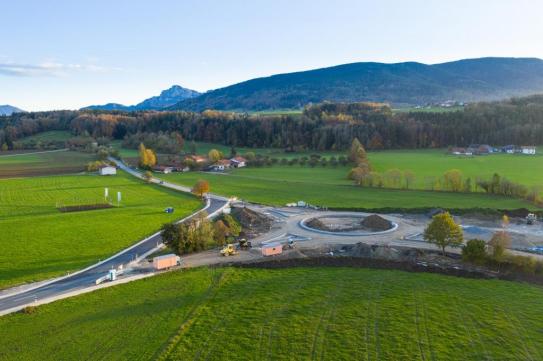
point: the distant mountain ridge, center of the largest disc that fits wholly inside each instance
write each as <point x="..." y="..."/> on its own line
<point x="408" y="83"/>
<point x="9" y="109"/>
<point x="166" y="99"/>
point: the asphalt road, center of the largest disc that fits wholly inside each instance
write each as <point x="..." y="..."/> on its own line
<point x="87" y="278"/>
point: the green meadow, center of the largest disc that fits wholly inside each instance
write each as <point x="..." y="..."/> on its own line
<point x="40" y="242"/>
<point x="329" y="187"/>
<point x="523" y="169"/>
<point x="299" y="313"/>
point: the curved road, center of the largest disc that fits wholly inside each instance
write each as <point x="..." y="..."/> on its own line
<point x="87" y="277"/>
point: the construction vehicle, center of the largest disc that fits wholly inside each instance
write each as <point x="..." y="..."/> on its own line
<point x="229" y="250"/>
<point x="244" y="244"/>
<point x="290" y="244"/>
<point x="531" y="219"/>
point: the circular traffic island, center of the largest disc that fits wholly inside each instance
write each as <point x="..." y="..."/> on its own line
<point x="349" y="225"/>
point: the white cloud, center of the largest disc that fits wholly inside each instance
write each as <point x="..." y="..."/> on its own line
<point x="48" y="69"/>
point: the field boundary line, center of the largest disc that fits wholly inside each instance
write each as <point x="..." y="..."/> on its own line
<point x="29" y="153"/>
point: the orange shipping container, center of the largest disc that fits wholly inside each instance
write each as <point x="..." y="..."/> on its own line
<point x="166" y="261"/>
<point x="271" y="249"/>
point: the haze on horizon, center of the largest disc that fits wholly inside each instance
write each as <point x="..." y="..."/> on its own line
<point x="66" y="55"/>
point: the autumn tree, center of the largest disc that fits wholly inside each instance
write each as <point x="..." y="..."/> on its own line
<point x="499" y="242"/>
<point x="204" y="232"/>
<point x="393" y="178"/>
<point x="147" y="158"/>
<point x="357" y="154"/>
<point x="409" y="178"/>
<point x="142" y="151"/>
<point x="444" y="232"/>
<point x="214" y="155"/>
<point x="221" y="232"/>
<point x="200" y="188"/>
<point x="358" y="173"/>
<point x="151" y="157"/>
<point x="250" y="156"/>
<point x="353" y="152"/>
<point x="452" y="180"/>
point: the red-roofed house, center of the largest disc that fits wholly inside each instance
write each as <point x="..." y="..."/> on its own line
<point x="238" y="162"/>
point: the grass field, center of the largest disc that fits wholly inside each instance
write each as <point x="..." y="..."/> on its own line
<point x="38" y="241"/>
<point x="49" y="163"/>
<point x="301" y="313"/>
<point x="53" y="135"/>
<point x="527" y="170"/>
<point x="329" y="187"/>
<point x="524" y="169"/>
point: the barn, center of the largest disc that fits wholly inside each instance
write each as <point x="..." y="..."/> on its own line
<point x="107" y="170"/>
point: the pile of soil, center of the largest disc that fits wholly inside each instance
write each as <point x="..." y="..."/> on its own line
<point x="318" y="224"/>
<point x="252" y="223"/>
<point x="376" y="223"/>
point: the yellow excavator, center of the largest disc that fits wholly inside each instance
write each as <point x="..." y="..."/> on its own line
<point x="229" y="250"/>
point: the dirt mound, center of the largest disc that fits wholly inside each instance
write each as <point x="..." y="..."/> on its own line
<point x="317" y="224"/>
<point x="376" y="223"/>
<point x="252" y="223"/>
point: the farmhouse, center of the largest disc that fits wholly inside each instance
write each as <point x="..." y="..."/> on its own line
<point x="163" y="169"/>
<point x="530" y="150"/>
<point x="238" y="162"/>
<point x="461" y="151"/>
<point x="220" y="166"/>
<point x="107" y="170"/>
<point x="510" y="149"/>
<point x="480" y="149"/>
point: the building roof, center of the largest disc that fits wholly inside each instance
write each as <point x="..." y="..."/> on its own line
<point x="238" y="159"/>
<point x="223" y="162"/>
<point x="106" y="166"/>
<point x="196" y="158"/>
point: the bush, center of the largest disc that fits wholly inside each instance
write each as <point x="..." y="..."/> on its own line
<point x="28" y="310"/>
<point x="474" y="251"/>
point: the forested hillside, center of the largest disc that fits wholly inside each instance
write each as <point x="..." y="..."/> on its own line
<point x="399" y="84"/>
<point x="321" y="127"/>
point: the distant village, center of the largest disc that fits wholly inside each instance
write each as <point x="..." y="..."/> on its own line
<point x="485" y="149"/>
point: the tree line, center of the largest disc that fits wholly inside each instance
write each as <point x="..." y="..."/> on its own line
<point x="326" y="126"/>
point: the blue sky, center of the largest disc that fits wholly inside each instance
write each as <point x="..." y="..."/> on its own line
<point x="60" y="54"/>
